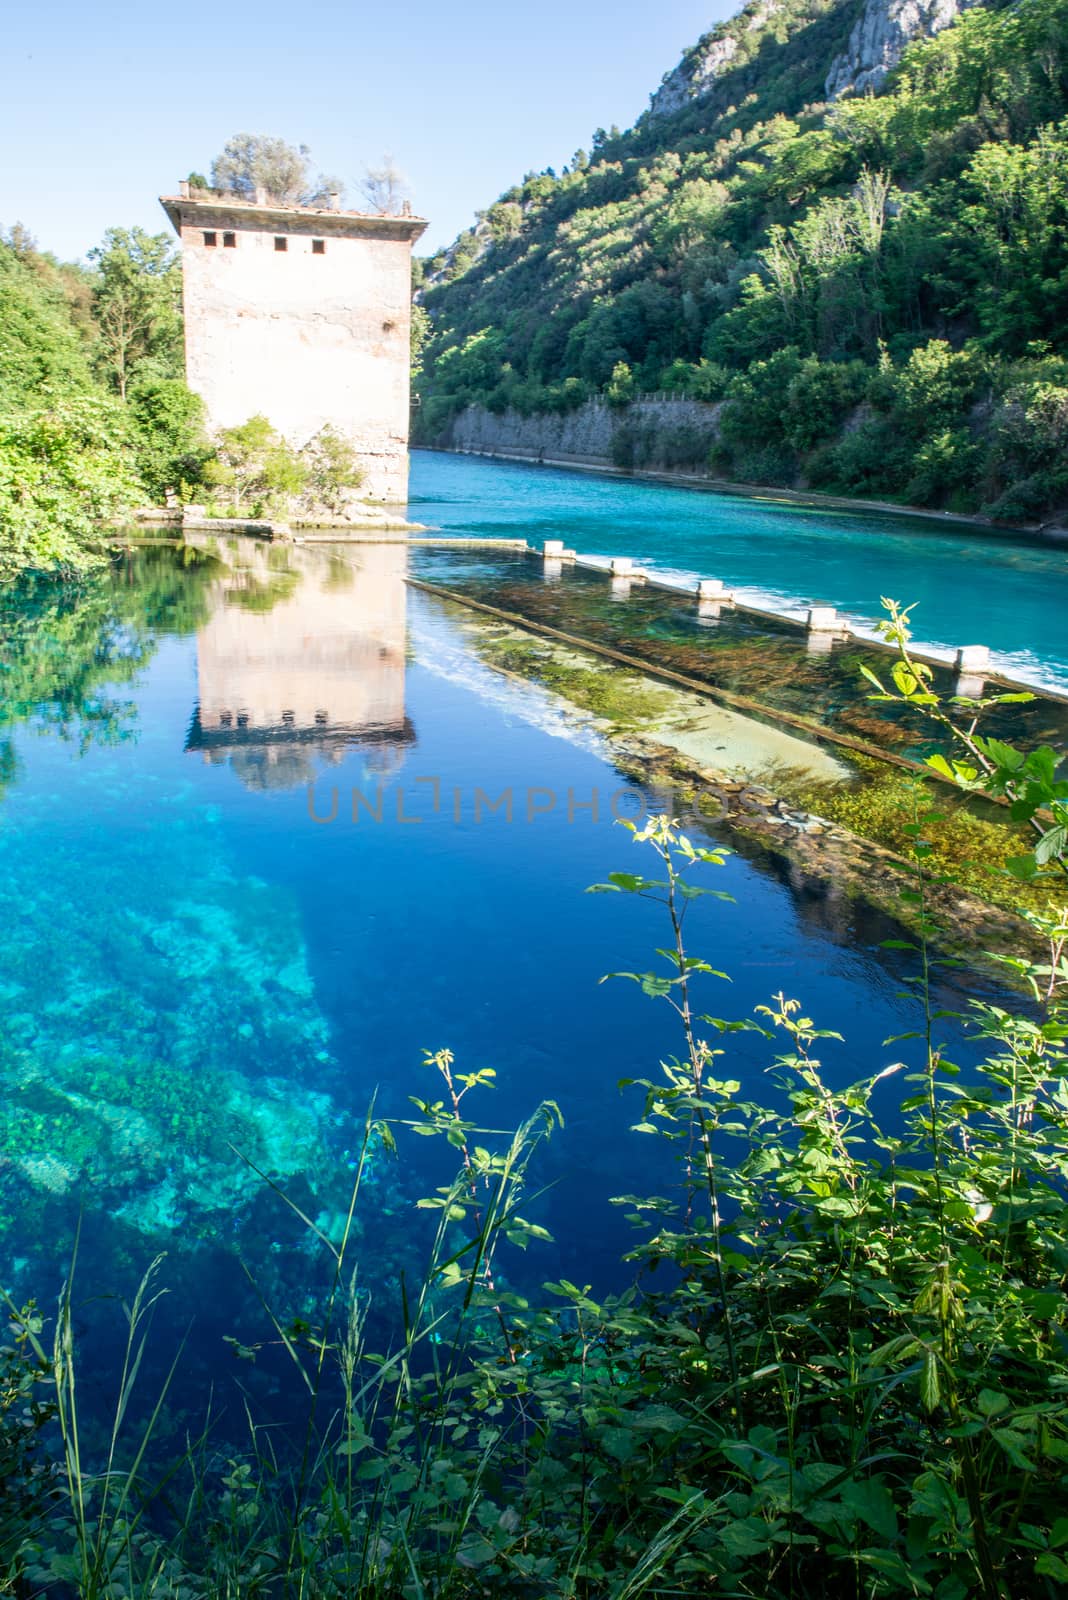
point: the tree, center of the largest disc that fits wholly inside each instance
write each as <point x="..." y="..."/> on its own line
<point x="620" y="388"/>
<point x="419" y="336"/>
<point x="385" y="188"/>
<point x="137" y="304"/>
<point x="170" y="444"/>
<point x="19" y="239"/>
<point x="251" y="161"/>
<point x="333" y="473"/>
<point x="41" y="353"/>
<point x="256" y="466"/>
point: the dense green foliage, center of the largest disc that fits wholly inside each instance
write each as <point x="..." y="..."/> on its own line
<point x="254" y="471"/>
<point x="94" y="415"/>
<point x="841" y="1368"/>
<point x="877" y="289"/>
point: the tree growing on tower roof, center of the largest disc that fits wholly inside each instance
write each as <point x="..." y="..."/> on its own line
<point x="253" y="161"/>
<point x="385" y="187"/>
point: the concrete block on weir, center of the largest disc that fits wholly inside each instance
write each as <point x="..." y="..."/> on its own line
<point x="711" y="589"/>
<point x="972" y="658"/>
<point x="969" y="686"/>
<point x="553" y="549"/>
<point x="621" y="567"/>
<point x="822" y="619"/>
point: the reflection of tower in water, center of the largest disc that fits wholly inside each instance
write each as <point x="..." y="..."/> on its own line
<point x="303" y="658"/>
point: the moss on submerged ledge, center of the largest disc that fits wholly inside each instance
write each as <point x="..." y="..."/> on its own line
<point x="850" y="828"/>
<point x="969" y="841"/>
<point x="623" y="700"/>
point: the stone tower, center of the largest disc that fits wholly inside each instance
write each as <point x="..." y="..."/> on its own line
<point x="303" y="315"/>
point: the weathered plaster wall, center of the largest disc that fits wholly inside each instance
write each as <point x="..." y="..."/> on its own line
<point x="584" y="436"/>
<point x="306" y="339"/>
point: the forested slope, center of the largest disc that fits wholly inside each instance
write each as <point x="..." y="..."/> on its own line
<point x="94" y="414"/>
<point x="875" y="289"/>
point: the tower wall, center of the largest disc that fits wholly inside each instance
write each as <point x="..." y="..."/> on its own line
<point x="306" y="336"/>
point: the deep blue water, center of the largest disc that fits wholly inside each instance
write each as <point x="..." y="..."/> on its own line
<point x="190" y="962"/>
<point x="969" y="588"/>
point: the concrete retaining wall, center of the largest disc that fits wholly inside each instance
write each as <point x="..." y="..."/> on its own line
<point x="591" y="435"/>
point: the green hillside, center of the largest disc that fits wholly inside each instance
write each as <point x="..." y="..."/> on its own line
<point x="876" y="289"/>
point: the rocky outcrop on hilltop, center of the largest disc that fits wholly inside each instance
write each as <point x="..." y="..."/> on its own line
<point x="707" y="60"/>
<point x="876" y="44"/>
<point x="879" y="37"/>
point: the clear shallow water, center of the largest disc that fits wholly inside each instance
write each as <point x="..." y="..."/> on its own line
<point x="1009" y="594"/>
<point x="194" y="969"/>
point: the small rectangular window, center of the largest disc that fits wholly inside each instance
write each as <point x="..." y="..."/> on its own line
<point x="281" y="244"/>
<point x="229" y="241"/>
<point x="210" y="239"/>
<point x="318" y="247"/>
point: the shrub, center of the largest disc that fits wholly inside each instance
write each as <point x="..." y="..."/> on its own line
<point x="872" y="459"/>
<point x="935" y="387"/>
<point x="945" y="469"/>
<point x="171" y="446"/>
<point x="333" y="473"/>
<point x="66" y="471"/>
<point x="256" y="468"/>
<point x="818" y="399"/>
<point x="621" y="387"/>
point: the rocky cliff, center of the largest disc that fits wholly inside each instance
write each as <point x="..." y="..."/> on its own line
<point x="876" y="43"/>
<point x="879" y="37"/>
<point x="707" y="59"/>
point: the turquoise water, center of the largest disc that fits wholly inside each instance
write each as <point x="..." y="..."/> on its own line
<point x="1007" y="593"/>
<point x="201" y="983"/>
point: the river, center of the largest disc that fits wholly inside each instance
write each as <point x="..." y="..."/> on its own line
<point x="247" y="880"/>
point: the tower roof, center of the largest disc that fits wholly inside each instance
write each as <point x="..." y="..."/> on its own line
<point x="263" y="212"/>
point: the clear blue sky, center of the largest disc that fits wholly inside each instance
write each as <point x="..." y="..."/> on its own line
<point x="106" y="106"/>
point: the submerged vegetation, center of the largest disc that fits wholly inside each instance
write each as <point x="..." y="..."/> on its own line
<point x="871" y="292"/>
<point x="840" y="1366"/>
<point x="966" y="844"/>
<point x="969" y="837"/>
<point x="622" y="700"/>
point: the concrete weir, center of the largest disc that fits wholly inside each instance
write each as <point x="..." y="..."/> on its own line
<point x="823" y="627"/>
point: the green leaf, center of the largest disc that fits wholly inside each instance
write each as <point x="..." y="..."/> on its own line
<point x="991" y="1403"/>
<point x="1051" y="844"/>
<point x="620" y="1443"/>
<point x="1015" y="1446"/>
<point x="930" y="1388"/>
<point x="872" y="1501"/>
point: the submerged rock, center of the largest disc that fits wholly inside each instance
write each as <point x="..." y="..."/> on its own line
<point x="175" y="1032"/>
